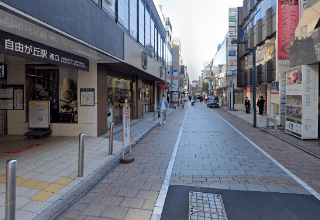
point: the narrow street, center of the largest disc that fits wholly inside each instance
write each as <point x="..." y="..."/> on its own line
<point x="198" y="164"/>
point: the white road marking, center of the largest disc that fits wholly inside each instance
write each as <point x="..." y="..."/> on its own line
<point x="158" y="208"/>
<point x="303" y="184"/>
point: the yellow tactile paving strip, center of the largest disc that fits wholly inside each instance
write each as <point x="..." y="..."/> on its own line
<point x="47" y="189"/>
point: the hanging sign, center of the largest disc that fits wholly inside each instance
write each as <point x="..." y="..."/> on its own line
<point x="288" y="12"/>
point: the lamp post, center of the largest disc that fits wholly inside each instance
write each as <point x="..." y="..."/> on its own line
<point x="253" y="77"/>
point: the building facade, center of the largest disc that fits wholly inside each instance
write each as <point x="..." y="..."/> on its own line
<point x="85" y="57"/>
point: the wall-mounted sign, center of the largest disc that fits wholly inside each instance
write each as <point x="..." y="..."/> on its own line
<point x="232" y="72"/>
<point x="232" y="53"/>
<point x="11" y="97"/>
<point x="232" y="19"/>
<point x="232" y="63"/>
<point x="21" y="47"/>
<point x="144" y="60"/>
<point x="87" y="97"/>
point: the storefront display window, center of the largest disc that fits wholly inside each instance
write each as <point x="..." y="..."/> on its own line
<point x="59" y="86"/>
<point x="109" y="6"/>
<point x="123" y="13"/>
<point x="134" y="19"/>
<point x="141" y="23"/>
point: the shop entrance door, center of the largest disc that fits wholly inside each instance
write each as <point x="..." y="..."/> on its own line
<point x="118" y="91"/>
<point x="3" y="113"/>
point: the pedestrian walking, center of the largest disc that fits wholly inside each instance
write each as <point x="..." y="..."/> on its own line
<point x="260" y="104"/>
<point x="247" y="105"/>
<point x="190" y="98"/>
<point x="163" y="105"/>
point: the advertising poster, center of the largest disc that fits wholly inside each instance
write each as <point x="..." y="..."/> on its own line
<point x="283" y="98"/>
<point x="39" y="112"/>
<point x="288" y="12"/>
<point x="302" y="102"/>
<point x="175" y="80"/>
<point x="275" y="91"/>
<point x="68" y="88"/>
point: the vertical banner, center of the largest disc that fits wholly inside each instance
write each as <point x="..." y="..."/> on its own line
<point x="288" y="19"/>
<point x="126" y="127"/>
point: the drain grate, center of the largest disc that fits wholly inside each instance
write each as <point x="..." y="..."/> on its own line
<point x="206" y="206"/>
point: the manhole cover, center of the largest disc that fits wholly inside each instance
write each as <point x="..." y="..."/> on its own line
<point x="206" y="206"/>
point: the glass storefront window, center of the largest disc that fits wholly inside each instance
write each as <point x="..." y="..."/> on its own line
<point x="134" y="19"/>
<point x="109" y="6"/>
<point x="123" y="13"/>
<point x="141" y="23"/>
<point x="152" y="37"/>
<point x="59" y="85"/>
<point x="147" y="28"/>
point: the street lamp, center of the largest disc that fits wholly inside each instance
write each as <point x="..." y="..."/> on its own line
<point x="253" y="77"/>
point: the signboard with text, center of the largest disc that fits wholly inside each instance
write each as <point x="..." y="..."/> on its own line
<point x="126" y="124"/>
<point x="21" y="47"/>
<point x="39" y="115"/>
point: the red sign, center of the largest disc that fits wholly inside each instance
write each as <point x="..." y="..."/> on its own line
<point x="287" y="22"/>
<point x="248" y="89"/>
<point x="162" y="85"/>
<point x="175" y="77"/>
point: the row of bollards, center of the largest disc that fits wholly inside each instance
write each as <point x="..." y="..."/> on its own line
<point x="11" y="175"/>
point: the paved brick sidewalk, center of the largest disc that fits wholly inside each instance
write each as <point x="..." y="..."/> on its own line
<point x="130" y="192"/>
<point x="55" y="163"/>
<point x="312" y="146"/>
<point x="303" y="165"/>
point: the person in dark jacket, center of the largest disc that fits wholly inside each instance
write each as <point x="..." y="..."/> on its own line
<point x="260" y="104"/>
<point x="247" y="105"/>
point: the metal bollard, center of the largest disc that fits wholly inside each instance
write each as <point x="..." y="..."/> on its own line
<point x="11" y="183"/>
<point x="154" y="112"/>
<point x="111" y="139"/>
<point x="81" y="155"/>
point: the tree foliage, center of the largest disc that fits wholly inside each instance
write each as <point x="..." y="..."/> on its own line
<point x="205" y="87"/>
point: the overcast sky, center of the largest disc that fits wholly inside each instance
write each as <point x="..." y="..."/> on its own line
<point x="201" y="25"/>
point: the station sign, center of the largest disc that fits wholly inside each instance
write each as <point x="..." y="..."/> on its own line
<point x="14" y="45"/>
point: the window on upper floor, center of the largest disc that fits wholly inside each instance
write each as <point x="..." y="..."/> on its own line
<point x="147" y="30"/>
<point x="109" y="6"/>
<point x="156" y="43"/>
<point x="134" y="18"/>
<point x="96" y="1"/>
<point x="159" y="48"/>
<point x="141" y="22"/>
<point x="123" y="13"/>
<point x="152" y="37"/>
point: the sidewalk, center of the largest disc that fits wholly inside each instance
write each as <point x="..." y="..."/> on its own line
<point x="309" y="146"/>
<point x="47" y="173"/>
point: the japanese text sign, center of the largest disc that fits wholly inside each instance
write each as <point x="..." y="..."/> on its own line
<point x="21" y="47"/>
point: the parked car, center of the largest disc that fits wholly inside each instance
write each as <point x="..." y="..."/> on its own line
<point x="213" y="101"/>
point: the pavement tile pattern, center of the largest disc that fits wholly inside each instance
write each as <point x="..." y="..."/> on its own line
<point x="131" y="190"/>
<point x="41" y="169"/>
<point x="303" y="165"/>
